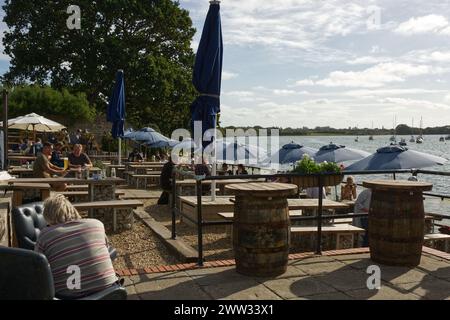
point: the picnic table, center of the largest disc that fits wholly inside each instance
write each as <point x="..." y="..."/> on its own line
<point x="36" y="191"/>
<point x="210" y="208"/>
<point x="21" y="159"/>
<point x="98" y="191"/>
<point x="28" y="172"/>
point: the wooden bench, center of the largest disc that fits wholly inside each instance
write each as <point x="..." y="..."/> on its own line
<point x="154" y="179"/>
<point x="340" y="230"/>
<point x="433" y="237"/>
<point x="230" y="215"/>
<point x="74" y="187"/>
<point x="85" y="193"/>
<point x="111" y="204"/>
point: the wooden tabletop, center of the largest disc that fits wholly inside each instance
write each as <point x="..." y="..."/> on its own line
<point x="22" y="158"/>
<point x="67" y="180"/>
<point x="146" y="166"/>
<point x="114" y="204"/>
<point x="294" y="204"/>
<point x="26" y="186"/>
<point x="270" y="189"/>
<point x="304" y="204"/>
<point x="145" y="163"/>
<point x="192" y="182"/>
<point x="399" y="185"/>
<point x="28" y="170"/>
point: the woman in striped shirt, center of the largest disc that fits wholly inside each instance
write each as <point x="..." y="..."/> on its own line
<point x="76" y="249"/>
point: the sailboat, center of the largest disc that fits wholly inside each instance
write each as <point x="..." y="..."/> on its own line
<point x="403" y="142"/>
<point x="394" y="137"/>
<point x="412" y="128"/>
<point x="371" y="136"/>
<point x="420" y="137"/>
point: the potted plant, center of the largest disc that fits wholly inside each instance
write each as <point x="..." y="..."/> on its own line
<point x="308" y="166"/>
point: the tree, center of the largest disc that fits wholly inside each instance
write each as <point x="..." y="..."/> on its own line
<point x="150" y="40"/>
<point x="49" y="102"/>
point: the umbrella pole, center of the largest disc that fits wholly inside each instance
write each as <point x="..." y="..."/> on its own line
<point x="120" y="152"/>
<point x="5" y="130"/>
<point x="214" y="168"/>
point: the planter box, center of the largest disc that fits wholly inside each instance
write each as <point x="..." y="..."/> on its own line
<point x="311" y="182"/>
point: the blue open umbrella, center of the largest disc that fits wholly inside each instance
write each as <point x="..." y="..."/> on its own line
<point x="396" y="157"/>
<point x="116" y="109"/>
<point x="291" y="153"/>
<point x="337" y="153"/>
<point x="235" y="152"/>
<point x="150" y="138"/>
<point x="207" y="77"/>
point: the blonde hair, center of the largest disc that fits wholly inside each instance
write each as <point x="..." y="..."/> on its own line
<point x="58" y="210"/>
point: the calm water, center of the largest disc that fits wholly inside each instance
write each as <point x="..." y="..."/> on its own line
<point x="431" y="145"/>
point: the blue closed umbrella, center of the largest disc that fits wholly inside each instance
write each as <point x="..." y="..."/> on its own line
<point x="150" y="137"/>
<point x="207" y="77"/>
<point x="116" y="106"/>
<point x="338" y="154"/>
<point x="291" y="153"/>
<point x="116" y="110"/>
<point x="396" y="157"/>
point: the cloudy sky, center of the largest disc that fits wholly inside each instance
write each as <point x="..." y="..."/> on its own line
<point x="336" y="62"/>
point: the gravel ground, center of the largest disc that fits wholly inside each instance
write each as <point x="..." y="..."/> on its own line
<point x="217" y="244"/>
<point x="140" y="248"/>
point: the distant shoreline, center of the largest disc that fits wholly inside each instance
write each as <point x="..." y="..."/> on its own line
<point x="401" y="130"/>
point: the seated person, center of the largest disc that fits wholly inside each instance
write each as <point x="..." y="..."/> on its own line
<point x="348" y="190"/>
<point x="52" y="139"/>
<point x="78" y="159"/>
<point x="42" y="167"/>
<point x="135" y="156"/>
<point x="241" y="170"/>
<point x="226" y="171"/>
<point x="202" y="169"/>
<point x="23" y="145"/>
<point x="166" y="182"/>
<point x="72" y="241"/>
<point x="56" y="155"/>
<point x="362" y="205"/>
<point x="313" y="193"/>
<point x="37" y="147"/>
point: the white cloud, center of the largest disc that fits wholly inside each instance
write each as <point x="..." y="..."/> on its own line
<point x="284" y="92"/>
<point x="389" y="92"/>
<point x="413" y="103"/>
<point x="432" y="23"/>
<point x="376" y="76"/>
<point x="304" y="82"/>
<point x="241" y="94"/>
<point x="368" y="60"/>
<point x="226" y="75"/>
<point x="447" y="98"/>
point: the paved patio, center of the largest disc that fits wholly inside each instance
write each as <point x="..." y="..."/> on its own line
<point x="320" y="277"/>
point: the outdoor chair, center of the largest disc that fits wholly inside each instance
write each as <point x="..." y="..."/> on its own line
<point x="26" y="275"/>
<point x="28" y="222"/>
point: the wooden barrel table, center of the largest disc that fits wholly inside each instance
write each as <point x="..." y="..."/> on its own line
<point x="396" y="221"/>
<point x="261" y="230"/>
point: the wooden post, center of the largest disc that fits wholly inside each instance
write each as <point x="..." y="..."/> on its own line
<point x="5" y="130"/>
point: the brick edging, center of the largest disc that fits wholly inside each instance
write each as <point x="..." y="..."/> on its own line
<point x="227" y="263"/>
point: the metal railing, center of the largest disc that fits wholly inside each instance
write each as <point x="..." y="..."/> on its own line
<point x="319" y="218"/>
